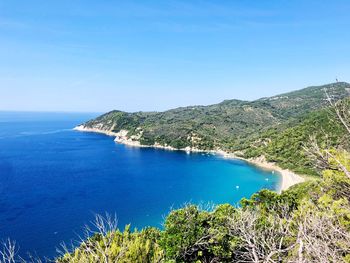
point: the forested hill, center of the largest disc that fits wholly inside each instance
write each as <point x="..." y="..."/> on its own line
<point x="285" y="144"/>
<point x="224" y="125"/>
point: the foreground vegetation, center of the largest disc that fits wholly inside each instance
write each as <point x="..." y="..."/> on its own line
<point x="291" y="227"/>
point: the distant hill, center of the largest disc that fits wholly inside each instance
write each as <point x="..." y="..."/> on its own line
<point x="232" y="125"/>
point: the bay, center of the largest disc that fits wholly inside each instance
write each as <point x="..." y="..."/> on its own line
<point x="53" y="180"/>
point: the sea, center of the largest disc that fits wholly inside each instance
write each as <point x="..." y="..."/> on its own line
<point x="54" y="180"/>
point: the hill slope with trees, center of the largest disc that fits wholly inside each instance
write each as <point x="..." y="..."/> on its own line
<point x="274" y="127"/>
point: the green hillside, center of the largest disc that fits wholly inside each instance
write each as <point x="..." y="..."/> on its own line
<point x="261" y="127"/>
<point x="284" y="144"/>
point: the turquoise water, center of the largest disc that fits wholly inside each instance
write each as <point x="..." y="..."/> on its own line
<point x="53" y="180"/>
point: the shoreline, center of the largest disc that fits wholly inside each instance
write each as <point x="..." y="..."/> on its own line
<point x="288" y="178"/>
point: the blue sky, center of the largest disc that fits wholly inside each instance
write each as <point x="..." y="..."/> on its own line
<point x="153" y="55"/>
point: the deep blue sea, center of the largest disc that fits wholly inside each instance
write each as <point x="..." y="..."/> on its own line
<point x="53" y="180"/>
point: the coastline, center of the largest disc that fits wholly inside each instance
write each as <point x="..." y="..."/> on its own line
<point x="121" y="137"/>
<point x="288" y="178"/>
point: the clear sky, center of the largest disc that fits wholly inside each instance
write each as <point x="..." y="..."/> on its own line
<point x="96" y="55"/>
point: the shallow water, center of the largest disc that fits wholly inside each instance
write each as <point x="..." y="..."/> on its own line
<point x="53" y="180"/>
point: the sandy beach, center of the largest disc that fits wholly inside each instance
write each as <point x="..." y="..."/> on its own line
<point x="288" y="178"/>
